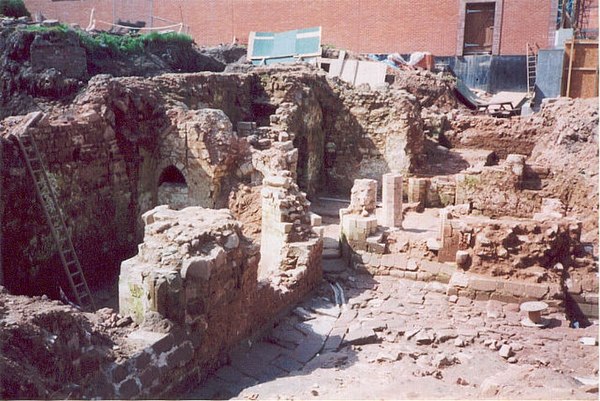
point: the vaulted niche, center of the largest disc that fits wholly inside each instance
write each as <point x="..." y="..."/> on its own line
<point x="172" y="188"/>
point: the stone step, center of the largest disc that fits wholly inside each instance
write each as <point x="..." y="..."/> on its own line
<point x="334" y="266"/>
<point x="331" y="253"/>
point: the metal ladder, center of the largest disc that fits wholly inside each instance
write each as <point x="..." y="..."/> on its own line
<point x="52" y="211"/>
<point x="531" y="69"/>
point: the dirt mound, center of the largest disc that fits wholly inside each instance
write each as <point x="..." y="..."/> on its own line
<point x="562" y="137"/>
<point x="33" y="77"/>
<point x="226" y="54"/>
<point x="568" y="145"/>
<point x="432" y="89"/>
<point x="502" y="135"/>
<point x="50" y="350"/>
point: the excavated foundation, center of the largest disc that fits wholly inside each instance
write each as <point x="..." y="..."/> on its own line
<point x="195" y="193"/>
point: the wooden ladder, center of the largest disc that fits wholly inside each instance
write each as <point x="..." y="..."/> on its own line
<point x="52" y="211"/>
<point x="531" y="69"/>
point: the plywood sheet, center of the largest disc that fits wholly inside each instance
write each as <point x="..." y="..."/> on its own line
<point x="288" y="46"/>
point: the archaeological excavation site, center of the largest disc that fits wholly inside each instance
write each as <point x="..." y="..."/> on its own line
<point x="369" y="206"/>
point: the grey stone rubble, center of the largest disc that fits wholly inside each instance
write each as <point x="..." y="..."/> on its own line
<point x="441" y="345"/>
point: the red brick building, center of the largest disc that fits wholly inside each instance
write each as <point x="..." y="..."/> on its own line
<point x="443" y="27"/>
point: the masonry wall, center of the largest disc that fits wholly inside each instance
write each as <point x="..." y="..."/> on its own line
<point x="366" y="26"/>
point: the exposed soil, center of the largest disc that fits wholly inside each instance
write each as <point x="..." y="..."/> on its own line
<point x="245" y="204"/>
<point x="49" y="350"/>
<point x="27" y="87"/>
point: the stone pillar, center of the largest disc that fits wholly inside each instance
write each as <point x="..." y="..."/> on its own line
<point x="392" y="200"/>
<point x="359" y="221"/>
<point x="363" y="197"/>
<point x="417" y="190"/>
<point x="275" y="225"/>
<point x="449" y="238"/>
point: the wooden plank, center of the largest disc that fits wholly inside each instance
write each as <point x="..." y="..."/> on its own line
<point x="582" y="74"/>
<point x="570" y="71"/>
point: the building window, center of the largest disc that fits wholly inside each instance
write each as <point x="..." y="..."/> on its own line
<point x="479" y="27"/>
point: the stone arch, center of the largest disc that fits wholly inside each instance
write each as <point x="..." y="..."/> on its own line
<point x="172" y="188"/>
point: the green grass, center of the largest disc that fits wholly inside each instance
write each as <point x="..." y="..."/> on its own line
<point x="130" y="43"/>
<point x="116" y="44"/>
<point x="38" y="28"/>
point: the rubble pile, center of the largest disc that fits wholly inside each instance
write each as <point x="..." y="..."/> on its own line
<point x="50" y="350"/>
<point x="568" y="147"/>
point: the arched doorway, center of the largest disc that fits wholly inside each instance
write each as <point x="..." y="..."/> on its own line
<point x="172" y="188"/>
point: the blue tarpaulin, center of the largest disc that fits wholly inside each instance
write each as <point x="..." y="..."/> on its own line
<point x="282" y="47"/>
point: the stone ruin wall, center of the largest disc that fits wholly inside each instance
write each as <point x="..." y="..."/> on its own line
<point x="506" y="259"/>
<point x="344" y="133"/>
<point x="196" y="268"/>
<point x="104" y="156"/>
<point x="510" y="188"/>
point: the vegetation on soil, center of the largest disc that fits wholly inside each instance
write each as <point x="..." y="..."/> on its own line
<point x="115" y="43"/>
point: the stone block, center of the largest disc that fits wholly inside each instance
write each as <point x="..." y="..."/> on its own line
<point x="452" y="291"/>
<point x="392" y="200"/>
<point x="400" y="260"/>
<point x="180" y="355"/>
<point x="360" y="336"/>
<point x="466" y="293"/>
<point x="277" y="181"/>
<point x="375" y="247"/>
<point x="479" y="283"/>
<point x="460" y="280"/>
<point x="535" y="291"/>
<point x="315" y="220"/>
<point x="410" y="275"/>
<point x="431" y="267"/>
<point x="482" y="295"/>
<point x="412" y="265"/>
<point x="424" y="276"/>
<point x="119" y="373"/>
<point x="197" y="268"/>
<point x="142" y="360"/>
<point x="165" y="344"/>
<point x="363" y="196"/>
<point x="150" y="377"/>
<point x="387" y="260"/>
<point x="504" y="298"/>
<point x="129" y="389"/>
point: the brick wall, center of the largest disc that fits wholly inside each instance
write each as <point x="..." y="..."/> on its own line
<point x="381" y="26"/>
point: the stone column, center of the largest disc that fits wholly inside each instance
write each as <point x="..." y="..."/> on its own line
<point x="417" y="190"/>
<point x="392" y="200"/>
<point x="363" y="197"/>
